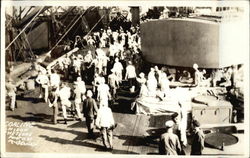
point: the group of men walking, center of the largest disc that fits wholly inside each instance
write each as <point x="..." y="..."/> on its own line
<point x="95" y="100"/>
<point x="110" y="69"/>
<point x="172" y="142"/>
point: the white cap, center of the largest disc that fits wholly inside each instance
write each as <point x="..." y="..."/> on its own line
<point x="169" y="123"/>
<point x="142" y="75"/>
<point x="79" y="56"/>
<point x="195" y="66"/>
<point x="89" y="93"/>
<point x="79" y="79"/>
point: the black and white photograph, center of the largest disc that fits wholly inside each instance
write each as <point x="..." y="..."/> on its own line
<point x="124" y="79"/>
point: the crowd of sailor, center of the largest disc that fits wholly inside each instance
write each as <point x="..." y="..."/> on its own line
<point x="104" y="62"/>
<point x="111" y="57"/>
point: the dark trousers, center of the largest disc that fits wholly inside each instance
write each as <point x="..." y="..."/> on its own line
<point x="113" y="92"/>
<point x="66" y="73"/>
<point x="90" y="125"/>
<point x="55" y="113"/>
<point x="131" y="82"/>
<point x="107" y="136"/>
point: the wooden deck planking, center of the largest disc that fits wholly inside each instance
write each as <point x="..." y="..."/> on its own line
<point x="133" y="139"/>
<point x="122" y="133"/>
<point x="128" y="136"/>
<point x="138" y="141"/>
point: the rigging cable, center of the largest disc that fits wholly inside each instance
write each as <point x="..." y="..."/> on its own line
<point x="94" y="25"/>
<point x="68" y="31"/>
<point x="24" y="28"/>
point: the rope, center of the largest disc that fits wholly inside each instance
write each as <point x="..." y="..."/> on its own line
<point x="9" y="22"/>
<point x="27" y="41"/>
<point x="24" y="28"/>
<point x="68" y="31"/>
<point x="57" y="23"/>
<point x="95" y="25"/>
<point x="71" y="27"/>
<point x="70" y="24"/>
<point x="67" y="14"/>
